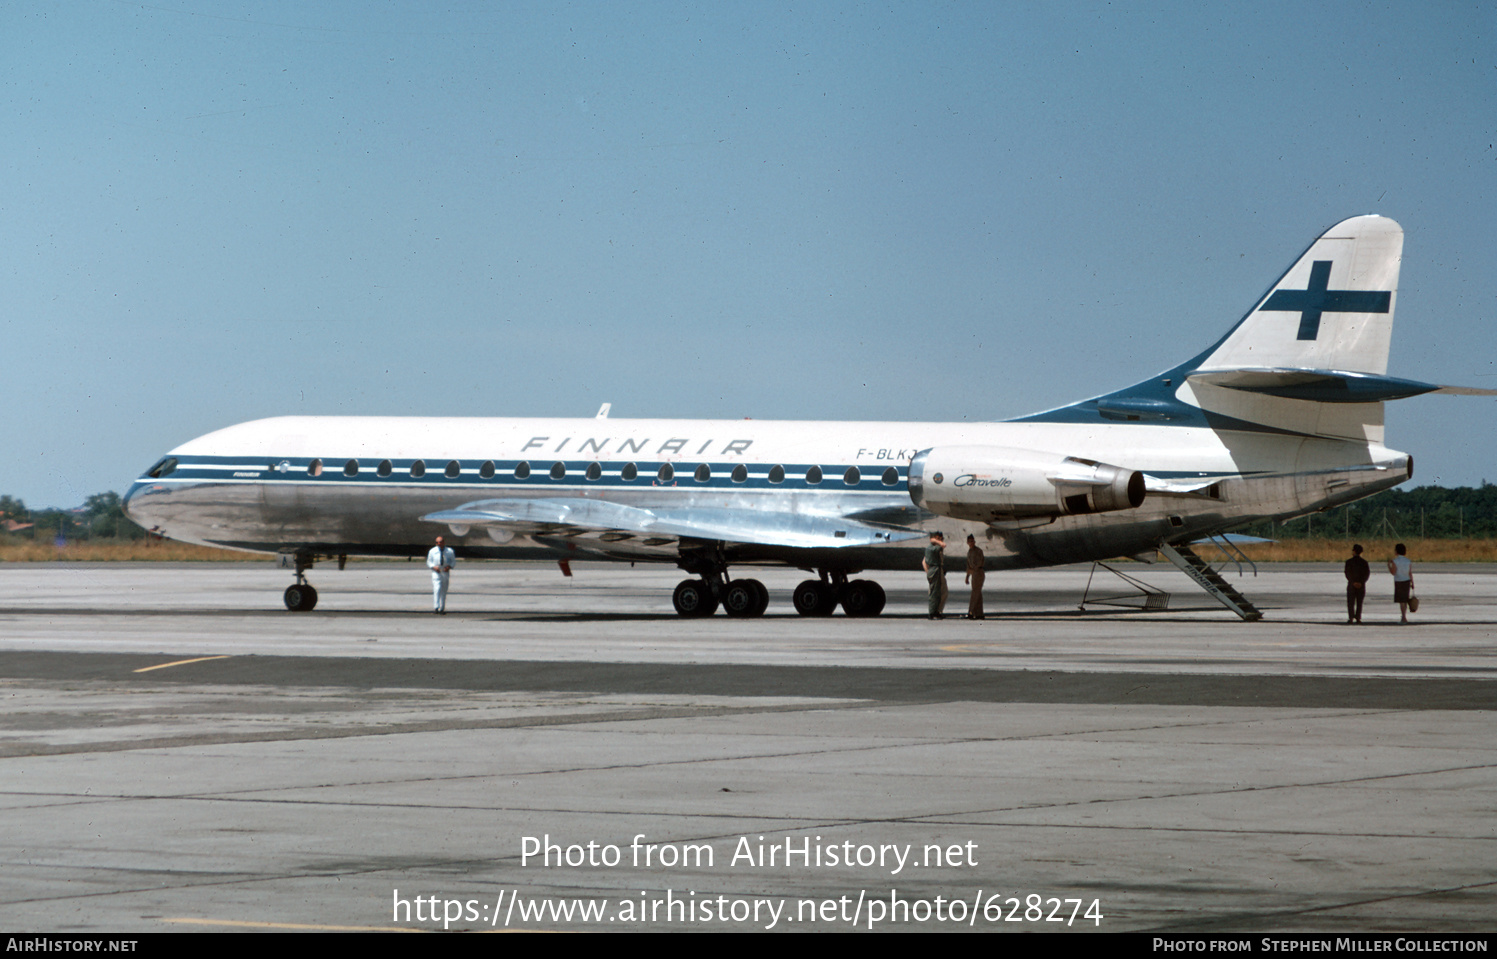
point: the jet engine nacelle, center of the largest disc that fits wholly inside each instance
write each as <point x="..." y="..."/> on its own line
<point x="991" y="483"/>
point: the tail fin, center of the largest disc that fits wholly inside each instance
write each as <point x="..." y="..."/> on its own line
<point x="1333" y="310"/>
<point x="1311" y="357"/>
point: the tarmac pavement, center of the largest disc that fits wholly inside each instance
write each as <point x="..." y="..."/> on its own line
<point x="179" y="752"/>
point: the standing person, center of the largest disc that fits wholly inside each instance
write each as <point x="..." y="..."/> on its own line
<point x="440" y="561"/>
<point x="1357" y="574"/>
<point x="1403" y="580"/>
<point x="934" y="564"/>
<point x="976" y="573"/>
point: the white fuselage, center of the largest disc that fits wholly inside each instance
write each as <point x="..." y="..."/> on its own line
<point x="360" y="485"/>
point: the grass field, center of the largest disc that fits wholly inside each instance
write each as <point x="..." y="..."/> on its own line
<point x="1284" y="551"/>
<point x="1375" y="551"/>
<point x="116" y="551"/>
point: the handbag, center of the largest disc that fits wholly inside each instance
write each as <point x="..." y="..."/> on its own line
<point x="1413" y="601"/>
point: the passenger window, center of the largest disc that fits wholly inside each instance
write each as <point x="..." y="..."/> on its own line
<point x="667" y="473"/>
<point x="891" y="477"/>
<point x="813" y="476"/>
<point x="777" y="475"/>
<point x="594" y="470"/>
<point x="522" y="471"/>
<point x="385" y="468"/>
<point x="314" y="468"/>
<point x="704" y="474"/>
<point x="351" y="468"/>
<point x="629" y="472"/>
<point x="853" y="476"/>
<point x="454" y="469"/>
<point x="487" y="469"/>
<point x="740" y="473"/>
<point x="558" y="470"/>
<point x="418" y="469"/>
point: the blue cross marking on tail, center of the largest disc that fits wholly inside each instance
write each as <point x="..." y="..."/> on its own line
<point x="1316" y="299"/>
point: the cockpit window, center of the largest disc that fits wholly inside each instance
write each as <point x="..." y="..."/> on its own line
<point x="166" y="467"/>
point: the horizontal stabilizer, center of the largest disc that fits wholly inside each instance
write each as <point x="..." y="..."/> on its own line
<point x="1316" y="386"/>
<point x="552" y="517"/>
<point x="1465" y="391"/>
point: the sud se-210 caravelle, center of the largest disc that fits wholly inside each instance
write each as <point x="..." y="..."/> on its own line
<point x="1280" y="417"/>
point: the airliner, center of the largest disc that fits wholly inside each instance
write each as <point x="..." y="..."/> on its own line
<point x="1280" y="417"/>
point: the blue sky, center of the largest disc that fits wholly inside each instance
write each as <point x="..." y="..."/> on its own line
<point x="220" y="211"/>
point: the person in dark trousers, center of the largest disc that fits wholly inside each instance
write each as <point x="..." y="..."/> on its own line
<point x="975" y="575"/>
<point x="1403" y="580"/>
<point x="934" y="564"/>
<point x="1357" y="574"/>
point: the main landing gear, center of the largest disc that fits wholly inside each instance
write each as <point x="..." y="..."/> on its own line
<point x="739" y="598"/>
<point x="747" y="598"/>
<point x="300" y="597"/>
<point x="820" y="597"/>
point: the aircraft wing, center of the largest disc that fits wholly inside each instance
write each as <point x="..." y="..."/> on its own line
<point x="658" y="527"/>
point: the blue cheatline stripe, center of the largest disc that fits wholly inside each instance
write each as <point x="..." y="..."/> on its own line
<point x="296" y="470"/>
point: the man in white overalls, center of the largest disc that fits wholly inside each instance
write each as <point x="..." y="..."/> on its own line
<point x="440" y="561"/>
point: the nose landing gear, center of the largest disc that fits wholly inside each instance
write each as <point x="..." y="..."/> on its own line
<point x="300" y="597"/>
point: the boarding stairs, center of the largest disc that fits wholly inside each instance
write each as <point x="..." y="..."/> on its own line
<point x="1210" y="580"/>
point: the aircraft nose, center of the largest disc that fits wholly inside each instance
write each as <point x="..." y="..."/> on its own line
<point x="137" y="510"/>
<point x="128" y="504"/>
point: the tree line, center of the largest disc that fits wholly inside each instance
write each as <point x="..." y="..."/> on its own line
<point x="100" y="517"/>
<point x="1426" y="512"/>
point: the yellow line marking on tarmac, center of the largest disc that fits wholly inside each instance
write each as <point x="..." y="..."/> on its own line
<point x="309" y="927"/>
<point x="250" y="924"/>
<point x="180" y="662"/>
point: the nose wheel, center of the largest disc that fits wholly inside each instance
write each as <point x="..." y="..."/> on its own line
<point x="300" y="597"/>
